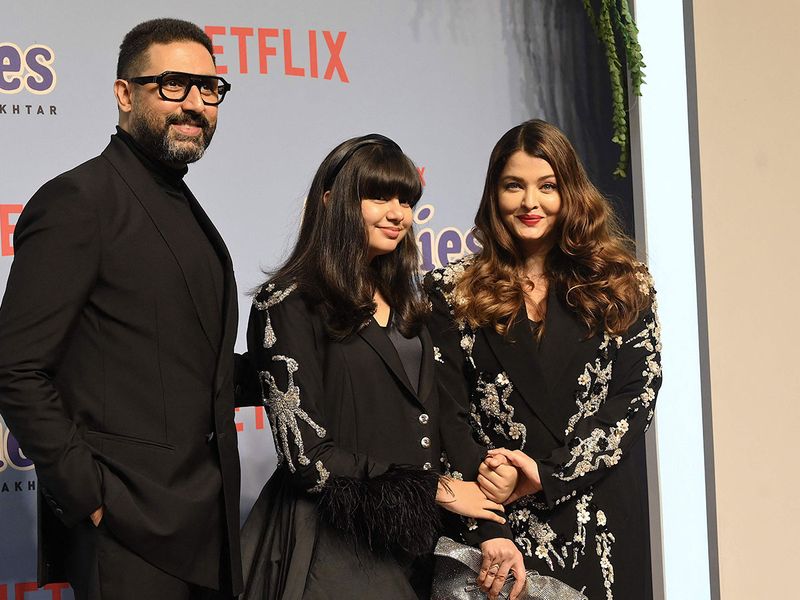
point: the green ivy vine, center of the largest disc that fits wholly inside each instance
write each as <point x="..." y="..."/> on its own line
<point x="614" y="25"/>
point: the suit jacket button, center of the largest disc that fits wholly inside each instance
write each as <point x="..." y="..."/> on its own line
<point x="425" y="442"/>
<point x="427" y="466"/>
<point x="423" y="418"/>
<point x="209" y="437"/>
<point x="59" y="511"/>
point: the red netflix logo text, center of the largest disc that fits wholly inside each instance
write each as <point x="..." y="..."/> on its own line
<point x="321" y="51"/>
<point x="8" y="220"/>
<point x="27" y="590"/>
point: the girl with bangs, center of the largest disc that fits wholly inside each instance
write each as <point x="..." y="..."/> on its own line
<point x="347" y="372"/>
<point x="549" y="339"/>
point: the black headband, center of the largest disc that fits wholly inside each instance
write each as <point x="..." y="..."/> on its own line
<point x="371" y="139"/>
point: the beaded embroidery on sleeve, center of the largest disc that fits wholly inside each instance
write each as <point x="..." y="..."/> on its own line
<point x="283" y="406"/>
<point x="602" y="446"/>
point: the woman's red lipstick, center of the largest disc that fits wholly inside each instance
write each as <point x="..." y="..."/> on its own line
<point x="530" y="220"/>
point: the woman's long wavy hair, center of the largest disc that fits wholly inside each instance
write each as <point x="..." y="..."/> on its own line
<point x="592" y="265"/>
<point x="329" y="261"/>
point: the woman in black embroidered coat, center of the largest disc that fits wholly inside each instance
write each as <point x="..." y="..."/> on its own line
<point x="347" y="371"/>
<point x="550" y="340"/>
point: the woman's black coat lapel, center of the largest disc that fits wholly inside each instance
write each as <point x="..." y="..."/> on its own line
<point x="427" y="369"/>
<point x="542" y="371"/>
<point x="376" y="337"/>
<point x="564" y="345"/>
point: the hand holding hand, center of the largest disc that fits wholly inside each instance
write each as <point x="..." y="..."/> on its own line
<point x="466" y="498"/>
<point x="529" y="481"/>
<point x="497" y="478"/>
<point x="500" y="556"/>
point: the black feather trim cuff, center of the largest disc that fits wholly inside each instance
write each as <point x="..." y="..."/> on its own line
<point x="396" y="510"/>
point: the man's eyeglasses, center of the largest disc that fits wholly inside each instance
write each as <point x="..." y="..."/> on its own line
<point x="174" y="86"/>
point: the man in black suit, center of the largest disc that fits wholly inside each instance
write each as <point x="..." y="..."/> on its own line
<point x="116" y="345"/>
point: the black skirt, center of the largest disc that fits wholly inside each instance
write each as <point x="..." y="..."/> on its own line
<point x="288" y="553"/>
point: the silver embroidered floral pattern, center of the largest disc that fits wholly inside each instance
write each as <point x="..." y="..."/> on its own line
<point x="283" y="408"/>
<point x="604" y="541"/>
<point x="535" y="537"/>
<point x="275" y="297"/>
<point x="602" y="446"/>
<point x="324" y="474"/>
<point x="593" y="384"/>
<point x="491" y="405"/>
<point x="437" y="355"/>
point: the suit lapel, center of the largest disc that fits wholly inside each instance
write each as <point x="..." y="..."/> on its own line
<point x="563" y="351"/>
<point x="564" y="338"/>
<point x="230" y="308"/>
<point x="374" y="335"/>
<point x="427" y="369"/>
<point x="151" y="197"/>
<point x="517" y="354"/>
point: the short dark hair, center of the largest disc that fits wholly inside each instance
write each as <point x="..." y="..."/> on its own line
<point x="133" y="50"/>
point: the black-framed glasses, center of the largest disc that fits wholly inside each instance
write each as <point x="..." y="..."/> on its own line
<point x="174" y="86"/>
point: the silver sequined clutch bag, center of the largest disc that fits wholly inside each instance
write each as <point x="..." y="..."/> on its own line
<point x="457" y="566"/>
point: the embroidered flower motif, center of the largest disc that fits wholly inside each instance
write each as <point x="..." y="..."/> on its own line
<point x="602" y="447"/>
<point x="601" y="518"/>
<point x="604" y="543"/>
<point x="490" y="404"/>
<point x="324" y="474"/>
<point x="284" y="411"/>
<point x="588" y="454"/>
<point x="535" y="537"/>
<point x="594" y="380"/>
<point x="274" y="298"/>
<point x="437" y="355"/>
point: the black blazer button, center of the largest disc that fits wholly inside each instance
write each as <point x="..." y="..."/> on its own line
<point x="209" y="437"/>
<point x="59" y="511"/>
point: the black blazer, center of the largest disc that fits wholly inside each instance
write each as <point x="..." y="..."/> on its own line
<point x="353" y="436"/>
<point x="116" y="370"/>
<point x="579" y="406"/>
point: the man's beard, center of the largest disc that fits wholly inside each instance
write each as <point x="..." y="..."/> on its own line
<point x="167" y="145"/>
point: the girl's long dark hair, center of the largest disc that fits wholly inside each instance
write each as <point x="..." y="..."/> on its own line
<point x="329" y="261"/>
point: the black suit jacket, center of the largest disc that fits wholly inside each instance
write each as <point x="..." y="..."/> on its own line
<point x="344" y="412"/>
<point x="116" y="371"/>
<point x="347" y="404"/>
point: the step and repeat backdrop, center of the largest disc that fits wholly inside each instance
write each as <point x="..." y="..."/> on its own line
<point x="444" y="79"/>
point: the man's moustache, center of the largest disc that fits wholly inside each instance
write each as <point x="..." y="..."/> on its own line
<point x="198" y="120"/>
